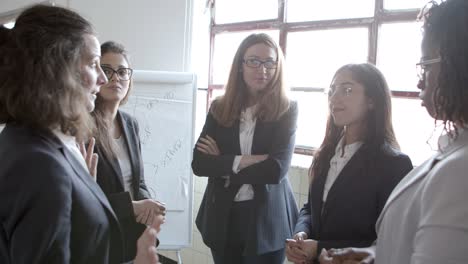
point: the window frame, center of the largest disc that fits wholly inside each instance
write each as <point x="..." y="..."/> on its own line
<point x="381" y="16"/>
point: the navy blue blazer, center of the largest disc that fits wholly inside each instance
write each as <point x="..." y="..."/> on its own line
<point x="355" y="200"/>
<point x="51" y="211"/>
<point x="274" y="205"/>
<point x="110" y="179"/>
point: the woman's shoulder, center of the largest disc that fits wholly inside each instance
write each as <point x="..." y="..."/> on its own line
<point x="393" y="157"/>
<point x="291" y="109"/>
<point x="387" y="150"/>
<point x="127" y="119"/>
<point x="126" y="116"/>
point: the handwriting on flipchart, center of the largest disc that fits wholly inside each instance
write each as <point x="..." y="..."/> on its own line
<point x="168" y="157"/>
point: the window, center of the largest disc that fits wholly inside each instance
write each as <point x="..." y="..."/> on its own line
<point x="314" y="56"/>
<point x="9" y="25"/>
<point x="306" y="10"/>
<point x="257" y="10"/>
<point x="319" y="36"/>
<point x="404" y="4"/>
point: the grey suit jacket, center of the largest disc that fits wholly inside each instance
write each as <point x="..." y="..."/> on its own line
<point x="425" y="219"/>
<point x="274" y="205"/>
<point x="51" y="211"/>
<point x="110" y="179"/>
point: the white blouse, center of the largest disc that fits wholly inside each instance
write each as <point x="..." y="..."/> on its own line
<point x="246" y="133"/>
<point x="71" y="144"/>
<point x="338" y="162"/>
<point x="125" y="165"/>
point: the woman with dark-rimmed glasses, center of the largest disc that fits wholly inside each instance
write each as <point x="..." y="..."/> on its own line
<point x="120" y="168"/>
<point x="245" y="149"/>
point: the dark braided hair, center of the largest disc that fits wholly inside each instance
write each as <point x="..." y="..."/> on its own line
<point x="446" y="26"/>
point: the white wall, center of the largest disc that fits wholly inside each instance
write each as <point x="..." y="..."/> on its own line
<point x="7" y="6"/>
<point x="157" y="33"/>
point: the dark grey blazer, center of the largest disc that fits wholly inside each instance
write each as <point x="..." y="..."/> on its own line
<point x="355" y="200"/>
<point x="51" y="211"/>
<point x="274" y="205"/>
<point x="110" y="179"/>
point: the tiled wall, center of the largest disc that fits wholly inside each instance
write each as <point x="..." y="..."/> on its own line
<point x="199" y="253"/>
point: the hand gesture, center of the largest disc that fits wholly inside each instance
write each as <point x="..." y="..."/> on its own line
<point x="146" y="249"/>
<point x="294" y="253"/>
<point x="90" y="157"/>
<point x="147" y="210"/>
<point x="208" y="145"/>
<point x="349" y="256"/>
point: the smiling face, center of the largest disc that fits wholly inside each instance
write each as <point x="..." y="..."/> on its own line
<point x="349" y="105"/>
<point x="92" y="76"/>
<point x="117" y="87"/>
<point x="257" y="79"/>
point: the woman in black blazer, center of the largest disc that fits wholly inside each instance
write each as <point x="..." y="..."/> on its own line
<point x="245" y="150"/>
<point x="120" y="168"/>
<point x="51" y="210"/>
<point x="354" y="170"/>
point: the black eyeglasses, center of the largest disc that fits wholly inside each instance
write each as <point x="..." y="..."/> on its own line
<point x="422" y="67"/>
<point x="256" y="63"/>
<point x="124" y="74"/>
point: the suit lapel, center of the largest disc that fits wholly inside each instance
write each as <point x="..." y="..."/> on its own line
<point x="236" y="136"/>
<point x="84" y="175"/>
<point x="316" y="194"/>
<point x="132" y="147"/>
<point x="351" y="169"/>
<point x="114" y="164"/>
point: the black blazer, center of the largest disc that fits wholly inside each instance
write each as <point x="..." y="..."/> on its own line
<point x="354" y="201"/>
<point x="274" y="205"/>
<point x="110" y="179"/>
<point x="51" y="211"/>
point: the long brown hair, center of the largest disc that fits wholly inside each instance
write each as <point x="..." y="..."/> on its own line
<point x="103" y="135"/>
<point x="40" y="83"/>
<point x="379" y="130"/>
<point x="273" y="101"/>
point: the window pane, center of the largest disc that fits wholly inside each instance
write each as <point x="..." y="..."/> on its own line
<point x="313" y="57"/>
<point x="404" y="4"/>
<point x="398" y="52"/>
<point x="312" y="117"/>
<point x="414" y="131"/>
<point x="200" y="50"/>
<point x="215" y="93"/>
<point x="9" y="25"/>
<point x="413" y="128"/>
<point x="229" y="11"/>
<point x="309" y="10"/>
<point x="200" y="114"/>
<point x="226" y="45"/>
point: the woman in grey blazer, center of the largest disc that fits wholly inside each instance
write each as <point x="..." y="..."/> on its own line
<point x="120" y="171"/>
<point x="245" y="149"/>
<point x="425" y="219"/>
<point x="51" y="210"/>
